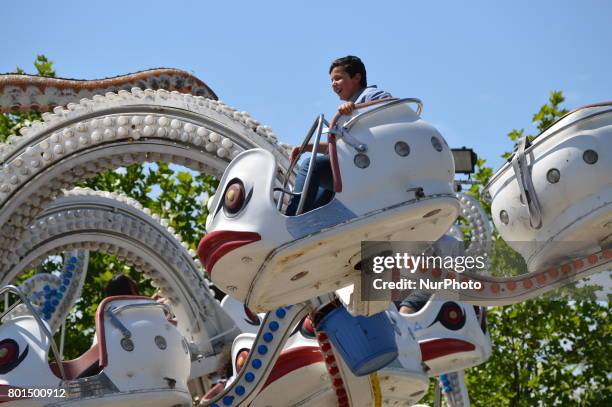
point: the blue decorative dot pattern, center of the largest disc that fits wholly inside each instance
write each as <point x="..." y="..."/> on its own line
<point x="249" y="377"/>
<point x="262" y="349"/>
<point x="280" y="313"/>
<point x="240" y="390"/>
<point x="256" y="363"/>
<point x="268" y="337"/>
<point x="228" y="400"/>
<point x="273" y="326"/>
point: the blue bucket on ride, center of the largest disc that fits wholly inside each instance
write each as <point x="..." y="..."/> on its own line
<point x="366" y="344"/>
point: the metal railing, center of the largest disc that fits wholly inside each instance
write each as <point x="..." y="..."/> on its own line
<point x="14" y="290"/>
<point x="317" y="127"/>
<point x="152" y="303"/>
<point x="112" y="313"/>
<point x="382" y="106"/>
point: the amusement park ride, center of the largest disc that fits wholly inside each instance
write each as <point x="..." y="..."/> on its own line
<point x="316" y="341"/>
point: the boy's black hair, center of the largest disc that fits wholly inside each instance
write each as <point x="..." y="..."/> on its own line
<point x="351" y="65"/>
<point x="121" y="284"/>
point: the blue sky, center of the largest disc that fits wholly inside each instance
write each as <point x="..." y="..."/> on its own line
<point x="482" y="68"/>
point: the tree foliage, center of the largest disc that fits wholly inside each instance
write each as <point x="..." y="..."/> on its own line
<point x="545" y="353"/>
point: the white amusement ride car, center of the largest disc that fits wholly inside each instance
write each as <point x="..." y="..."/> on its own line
<point x="139" y="357"/>
<point x="553" y="201"/>
<point x="393" y="179"/>
<point x="452" y="336"/>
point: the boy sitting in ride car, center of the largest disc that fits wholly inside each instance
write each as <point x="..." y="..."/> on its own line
<point x="349" y="82"/>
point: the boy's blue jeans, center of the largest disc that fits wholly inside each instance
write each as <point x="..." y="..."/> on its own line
<point x="321" y="188"/>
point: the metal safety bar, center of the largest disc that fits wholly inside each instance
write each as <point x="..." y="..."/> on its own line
<point x="121" y="308"/>
<point x="311" y="165"/>
<point x="383" y="106"/>
<point x="317" y="127"/>
<point x="118" y="324"/>
<point x="113" y="312"/>
<point x="525" y="183"/>
<point x="14" y="290"/>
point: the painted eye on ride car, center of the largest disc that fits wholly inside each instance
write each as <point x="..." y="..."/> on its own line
<point x="9" y="355"/>
<point x="234" y="197"/>
<point x="451" y="316"/>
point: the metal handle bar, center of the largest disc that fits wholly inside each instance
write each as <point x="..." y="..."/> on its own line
<point x="384" y="106"/>
<point x="525" y="183"/>
<point x="14" y="290"/>
<point x="118" y="324"/>
<point x="286" y="191"/>
<point x="113" y="312"/>
<point x="317" y="126"/>
<point x="313" y="157"/>
<point x="122" y="308"/>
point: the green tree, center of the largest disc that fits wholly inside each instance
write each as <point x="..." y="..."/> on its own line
<point x="545" y="353"/>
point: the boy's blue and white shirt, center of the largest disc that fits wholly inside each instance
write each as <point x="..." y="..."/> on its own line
<point x="369" y="94"/>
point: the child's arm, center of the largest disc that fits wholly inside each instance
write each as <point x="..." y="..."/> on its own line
<point x="323" y="148"/>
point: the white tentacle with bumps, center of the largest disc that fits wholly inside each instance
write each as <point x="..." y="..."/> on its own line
<point x="112" y="223"/>
<point x="274" y="331"/>
<point x="472" y="212"/>
<point x="112" y="131"/>
<point x="54" y="295"/>
<point x="454" y="389"/>
<point x="25" y="93"/>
